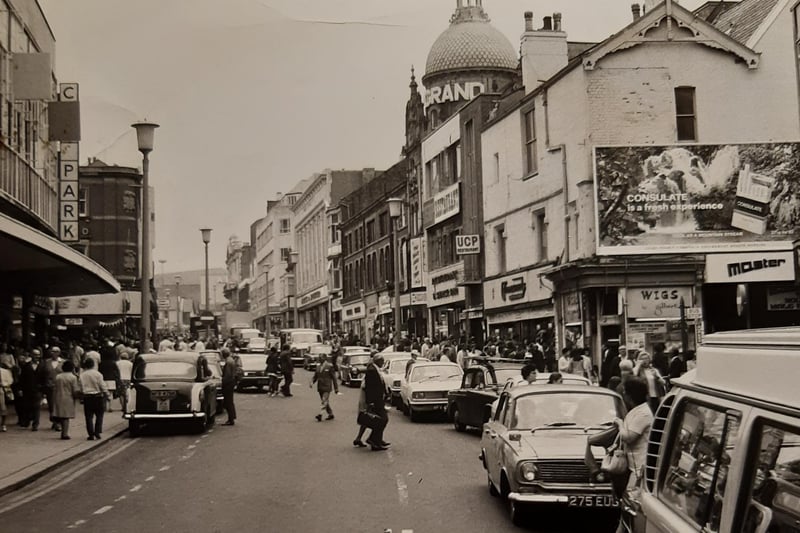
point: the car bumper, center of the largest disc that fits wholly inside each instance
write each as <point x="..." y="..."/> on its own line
<point x="297" y="361"/>
<point x="429" y="405"/>
<point x="163" y="416"/>
<point x="253" y="381"/>
<point x="603" y="499"/>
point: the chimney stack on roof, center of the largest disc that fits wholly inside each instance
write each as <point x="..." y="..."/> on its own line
<point x="636" y="10"/>
<point x="543" y="52"/>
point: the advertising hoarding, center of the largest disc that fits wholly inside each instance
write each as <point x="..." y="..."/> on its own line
<point x="696" y="198"/>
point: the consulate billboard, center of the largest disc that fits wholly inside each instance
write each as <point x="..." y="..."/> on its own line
<point x="696" y="198"/>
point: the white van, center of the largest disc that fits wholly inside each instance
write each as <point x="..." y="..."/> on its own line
<point x="724" y="448"/>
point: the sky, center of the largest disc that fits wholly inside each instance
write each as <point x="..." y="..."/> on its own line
<point x="253" y="96"/>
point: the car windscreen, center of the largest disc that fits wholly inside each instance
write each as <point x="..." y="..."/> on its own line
<point x="359" y="359"/>
<point x="504" y="374"/>
<point x="564" y="409"/>
<point x="306" y="337"/>
<point x="398" y="366"/>
<point x="434" y="372"/>
<point x="165" y="370"/>
<point x="322" y="348"/>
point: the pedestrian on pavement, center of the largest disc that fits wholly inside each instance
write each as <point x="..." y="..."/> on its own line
<point x="273" y="371"/>
<point x="46" y="373"/>
<point x="110" y="371"/>
<point x="67" y="389"/>
<point x="29" y="390"/>
<point x="656" y="385"/>
<point x="125" y="367"/>
<point x="325" y="378"/>
<point x="375" y="392"/>
<point x="6" y="393"/>
<point x="229" y="379"/>
<point x="287" y="368"/>
<point x="95" y="394"/>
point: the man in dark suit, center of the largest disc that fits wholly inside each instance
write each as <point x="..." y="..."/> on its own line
<point x="287" y="369"/>
<point x="374" y="391"/>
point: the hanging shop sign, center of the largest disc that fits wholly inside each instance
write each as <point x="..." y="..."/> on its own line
<point x="417" y="246"/>
<point x="657" y="302"/>
<point x="468" y="244"/>
<point x="696" y="198"/>
<point x="446" y="203"/>
<point x="750" y="267"/>
<point x="353" y="311"/>
<point x="443" y="286"/>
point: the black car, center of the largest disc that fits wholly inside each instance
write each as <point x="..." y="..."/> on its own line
<point x="479" y="387"/>
<point x="168" y="387"/>
<point x="353" y="366"/>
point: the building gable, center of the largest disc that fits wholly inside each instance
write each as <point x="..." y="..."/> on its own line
<point x="670" y="23"/>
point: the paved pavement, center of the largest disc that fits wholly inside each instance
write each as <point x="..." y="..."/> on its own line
<point x="28" y="455"/>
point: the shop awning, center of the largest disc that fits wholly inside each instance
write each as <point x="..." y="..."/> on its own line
<point x="33" y="260"/>
<point x="518" y="315"/>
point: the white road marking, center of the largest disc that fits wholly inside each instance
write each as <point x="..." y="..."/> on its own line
<point x="120" y="498"/>
<point x="151" y="478"/>
<point x="205" y="436"/>
<point x="76" y="524"/>
<point x="407" y="531"/>
<point x="13" y="503"/>
<point x="163" y="468"/>
<point x="390" y="455"/>
<point x="402" y="490"/>
<point x="137" y="488"/>
<point x="187" y="456"/>
<point x="191" y="447"/>
<point x="197" y="441"/>
<point x="103" y="509"/>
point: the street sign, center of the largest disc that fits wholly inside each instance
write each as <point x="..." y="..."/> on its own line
<point x="73" y="321"/>
<point x="468" y="244"/>
<point x="693" y="313"/>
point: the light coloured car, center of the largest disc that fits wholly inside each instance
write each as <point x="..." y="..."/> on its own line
<point x="534" y="447"/>
<point x="298" y="340"/>
<point x="256" y="345"/>
<point x="427" y="387"/>
<point x="313" y="354"/>
<point x="355" y="349"/>
<point x="394" y="370"/>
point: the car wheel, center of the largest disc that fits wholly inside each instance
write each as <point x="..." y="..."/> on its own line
<point x="404" y="408"/>
<point x="220" y="408"/>
<point x="414" y="415"/>
<point x="492" y="490"/>
<point x="134" y="428"/>
<point x="457" y="423"/>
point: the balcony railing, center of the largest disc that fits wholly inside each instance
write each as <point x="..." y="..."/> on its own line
<point x="21" y="184"/>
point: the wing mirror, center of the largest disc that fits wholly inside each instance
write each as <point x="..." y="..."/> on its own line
<point x="516" y="437"/>
<point x="487" y="412"/>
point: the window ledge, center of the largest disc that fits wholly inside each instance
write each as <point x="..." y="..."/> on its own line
<point x="530" y="176"/>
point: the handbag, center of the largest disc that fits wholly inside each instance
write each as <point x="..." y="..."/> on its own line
<point x="615" y="461"/>
<point x="369" y="420"/>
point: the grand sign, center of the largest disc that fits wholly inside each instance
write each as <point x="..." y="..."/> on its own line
<point x="453" y="92"/>
<point x="742" y="268"/>
<point x="696" y="198"/>
<point x="657" y="302"/>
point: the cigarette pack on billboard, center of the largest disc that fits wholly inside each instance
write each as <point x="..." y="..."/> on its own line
<point x="751" y="207"/>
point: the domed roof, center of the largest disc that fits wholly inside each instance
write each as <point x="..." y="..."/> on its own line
<point x="470" y="43"/>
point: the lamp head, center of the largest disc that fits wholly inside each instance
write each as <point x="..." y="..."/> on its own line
<point x="395" y="206"/>
<point x="177" y="279"/>
<point x="293" y="258"/>
<point x="206" y="235"/>
<point x="145" y="131"/>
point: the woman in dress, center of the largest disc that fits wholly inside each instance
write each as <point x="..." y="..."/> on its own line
<point x="656" y="385"/>
<point x="65" y="391"/>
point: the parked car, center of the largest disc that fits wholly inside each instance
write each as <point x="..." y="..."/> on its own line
<point x="394" y="369"/>
<point x="169" y="386"/>
<point x="254" y="367"/>
<point x="355" y="349"/>
<point x="298" y="340"/>
<point x="352" y="367"/>
<point x="427" y="386"/>
<point x="480" y="386"/>
<point x="312" y="356"/>
<point x="256" y="345"/>
<point x="534" y="447"/>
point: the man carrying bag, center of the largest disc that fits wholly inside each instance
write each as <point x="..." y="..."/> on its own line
<point x="374" y="392"/>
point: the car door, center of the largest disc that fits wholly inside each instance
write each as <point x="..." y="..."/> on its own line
<point x="457" y="397"/>
<point x="480" y="395"/>
<point x="490" y="441"/>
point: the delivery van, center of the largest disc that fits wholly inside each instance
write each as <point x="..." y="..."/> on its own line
<point x="724" y="448"/>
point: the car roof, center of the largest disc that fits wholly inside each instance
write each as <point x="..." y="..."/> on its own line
<point x="293" y="330"/>
<point x="434" y="363"/>
<point x="524" y="390"/>
<point x="171" y="356"/>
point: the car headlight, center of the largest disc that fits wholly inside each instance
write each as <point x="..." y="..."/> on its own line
<point x="528" y="471"/>
<point x="396" y="383"/>
<point x="417" y="395"/>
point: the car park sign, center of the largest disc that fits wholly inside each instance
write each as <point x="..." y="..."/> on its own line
<point x="468" y="244"/>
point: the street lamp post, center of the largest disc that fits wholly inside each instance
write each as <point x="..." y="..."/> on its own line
<point x="291" y="264"/>
<point x="166" y="325"/>
<point x="206" y="232"/>
<point x="179" y="315"/>
<point x="145" y="131"/>
<point x="395" y="207"/>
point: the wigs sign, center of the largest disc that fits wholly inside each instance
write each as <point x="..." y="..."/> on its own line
<point x="701" y="198"/>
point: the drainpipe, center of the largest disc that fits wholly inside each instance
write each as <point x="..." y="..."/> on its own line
<point x="564" y="180"/>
